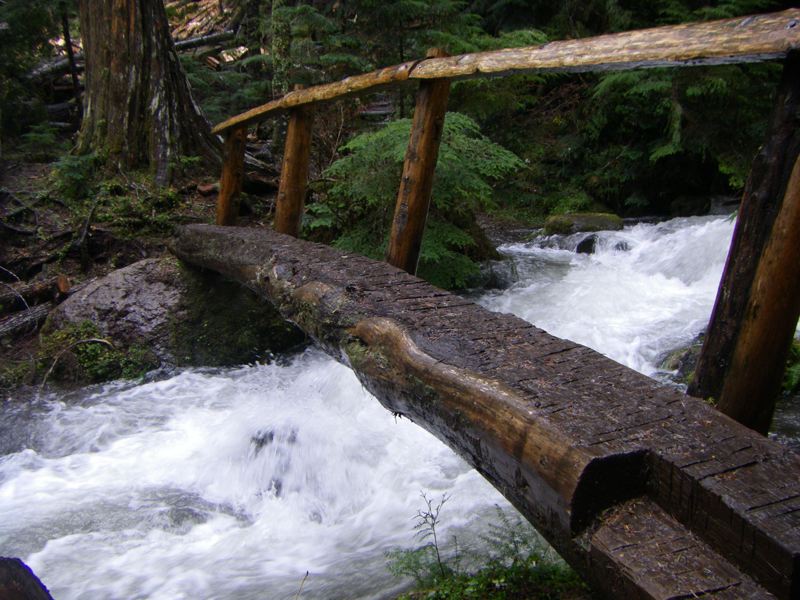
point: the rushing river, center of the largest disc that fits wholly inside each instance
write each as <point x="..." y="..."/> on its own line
<point x="235" y="483"/>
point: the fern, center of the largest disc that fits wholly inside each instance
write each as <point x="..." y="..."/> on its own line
<point x="362" y="186"/>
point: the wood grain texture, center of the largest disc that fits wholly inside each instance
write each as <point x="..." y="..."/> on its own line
<point x="743" y="39"/>
<point x="416" y="183"/>
<point x="563" y="432"/>
<point x="294" y="172"/>
<point x="230" y="183"/>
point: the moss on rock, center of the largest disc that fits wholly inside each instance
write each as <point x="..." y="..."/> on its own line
<point x="575" y="222"/>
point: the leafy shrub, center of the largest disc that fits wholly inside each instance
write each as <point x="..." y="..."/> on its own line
<point x="73" y="175"/>
<point x="42" y="142"/>
<point x="517" y="564"/>
<point x="72" y="359"/>
<point x="360" y="189"/>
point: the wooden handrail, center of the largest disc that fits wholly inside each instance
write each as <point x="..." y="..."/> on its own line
<point x="742" y="39"/>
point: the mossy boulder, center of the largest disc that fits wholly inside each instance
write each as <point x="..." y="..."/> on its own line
<point x="157" y="312"/>
<point x="574" y="222"/>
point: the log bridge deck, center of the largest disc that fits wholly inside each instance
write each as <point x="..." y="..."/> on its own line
<point x="647" y="492"/>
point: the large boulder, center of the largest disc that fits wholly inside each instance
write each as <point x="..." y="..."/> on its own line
<point x="179" y="315"/>
<point x="574" y="222"/>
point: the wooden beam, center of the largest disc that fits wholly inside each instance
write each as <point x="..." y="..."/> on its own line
<point x="753" y="381"/>
<point x="230" y="184"/>
<point x="761" y="202"/>
<point x="416" y="184"/>
<point x="647" y="492"/>
<point x="294" y="172"/>
<point x="738" y="40"/>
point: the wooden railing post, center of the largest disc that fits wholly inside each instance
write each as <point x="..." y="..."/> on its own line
<point x="230" y="184"/>
<point x="734" y="347"/>
<point x="414" y="196"/>
<point x="294" y="171"/>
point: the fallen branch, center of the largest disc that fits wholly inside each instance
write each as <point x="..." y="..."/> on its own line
<point x="70" y="347"/>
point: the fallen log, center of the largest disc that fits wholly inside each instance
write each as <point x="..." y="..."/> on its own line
<point x="645" y="491"/>
<point x="25" y="321"/>
<point x="61" y="66"/>
<point x="19" y="296"/>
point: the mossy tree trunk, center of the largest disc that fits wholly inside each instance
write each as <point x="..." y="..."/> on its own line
<point x="138" y="107"/>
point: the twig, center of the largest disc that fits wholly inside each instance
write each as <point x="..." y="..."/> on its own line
<point x="67" y="349"/>
<point x="14" y="275"/>
<point x="17" y="294"/>
<point x="302" y="583"/>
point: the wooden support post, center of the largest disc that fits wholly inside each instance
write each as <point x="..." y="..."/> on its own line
<point x="294" y="171"/>
<point x="230" y="184"/>
<point x="414" y="197"/>
<point x="753" y="382"/>
<point x="729" y="342"/>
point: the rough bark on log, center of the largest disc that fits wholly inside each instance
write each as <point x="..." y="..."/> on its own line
<point x="761" y="202"/>
<point x="416" y="183"/>
<point x="12" y="296"/>
<point x="18" y="582"/>
<point x="645" y="491"/>
<point x="743" y="39"/>
<point x="24" y="321"/>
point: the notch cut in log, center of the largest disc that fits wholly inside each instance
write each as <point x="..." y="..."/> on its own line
<point x="738" y="40"/>
<point x="645" y="491"/>
<point x="230" y="184"/>
<point x="416" y="184"/>
<point x="765" y="197"/>
<point x="294" y="172"/>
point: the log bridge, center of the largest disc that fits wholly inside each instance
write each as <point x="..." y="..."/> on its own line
<point x="647" y="492"/>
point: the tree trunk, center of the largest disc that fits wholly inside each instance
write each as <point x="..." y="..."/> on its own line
<point x="138" y="107"/>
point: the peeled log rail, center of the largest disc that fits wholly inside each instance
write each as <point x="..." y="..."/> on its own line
<point x="647" y="492"/>
<point x="743" y="39"/>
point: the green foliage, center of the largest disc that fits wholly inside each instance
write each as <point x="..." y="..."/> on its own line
<point x="791" y="377"/>
<point x="518" y="565"/>
<point x="361" y="187"/>
<point x="27" y="27"/>
<point x="90" y="362"/>
<point x="41" y="142"/>
<point x="73" y="175"/>
<point x="228" y="91"/>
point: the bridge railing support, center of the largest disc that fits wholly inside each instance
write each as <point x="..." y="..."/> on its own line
<point x="758" y="301"/>
<point x="230" y="184"/>
<point x="416" y="184"/>
<point x="294" y="171"/>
